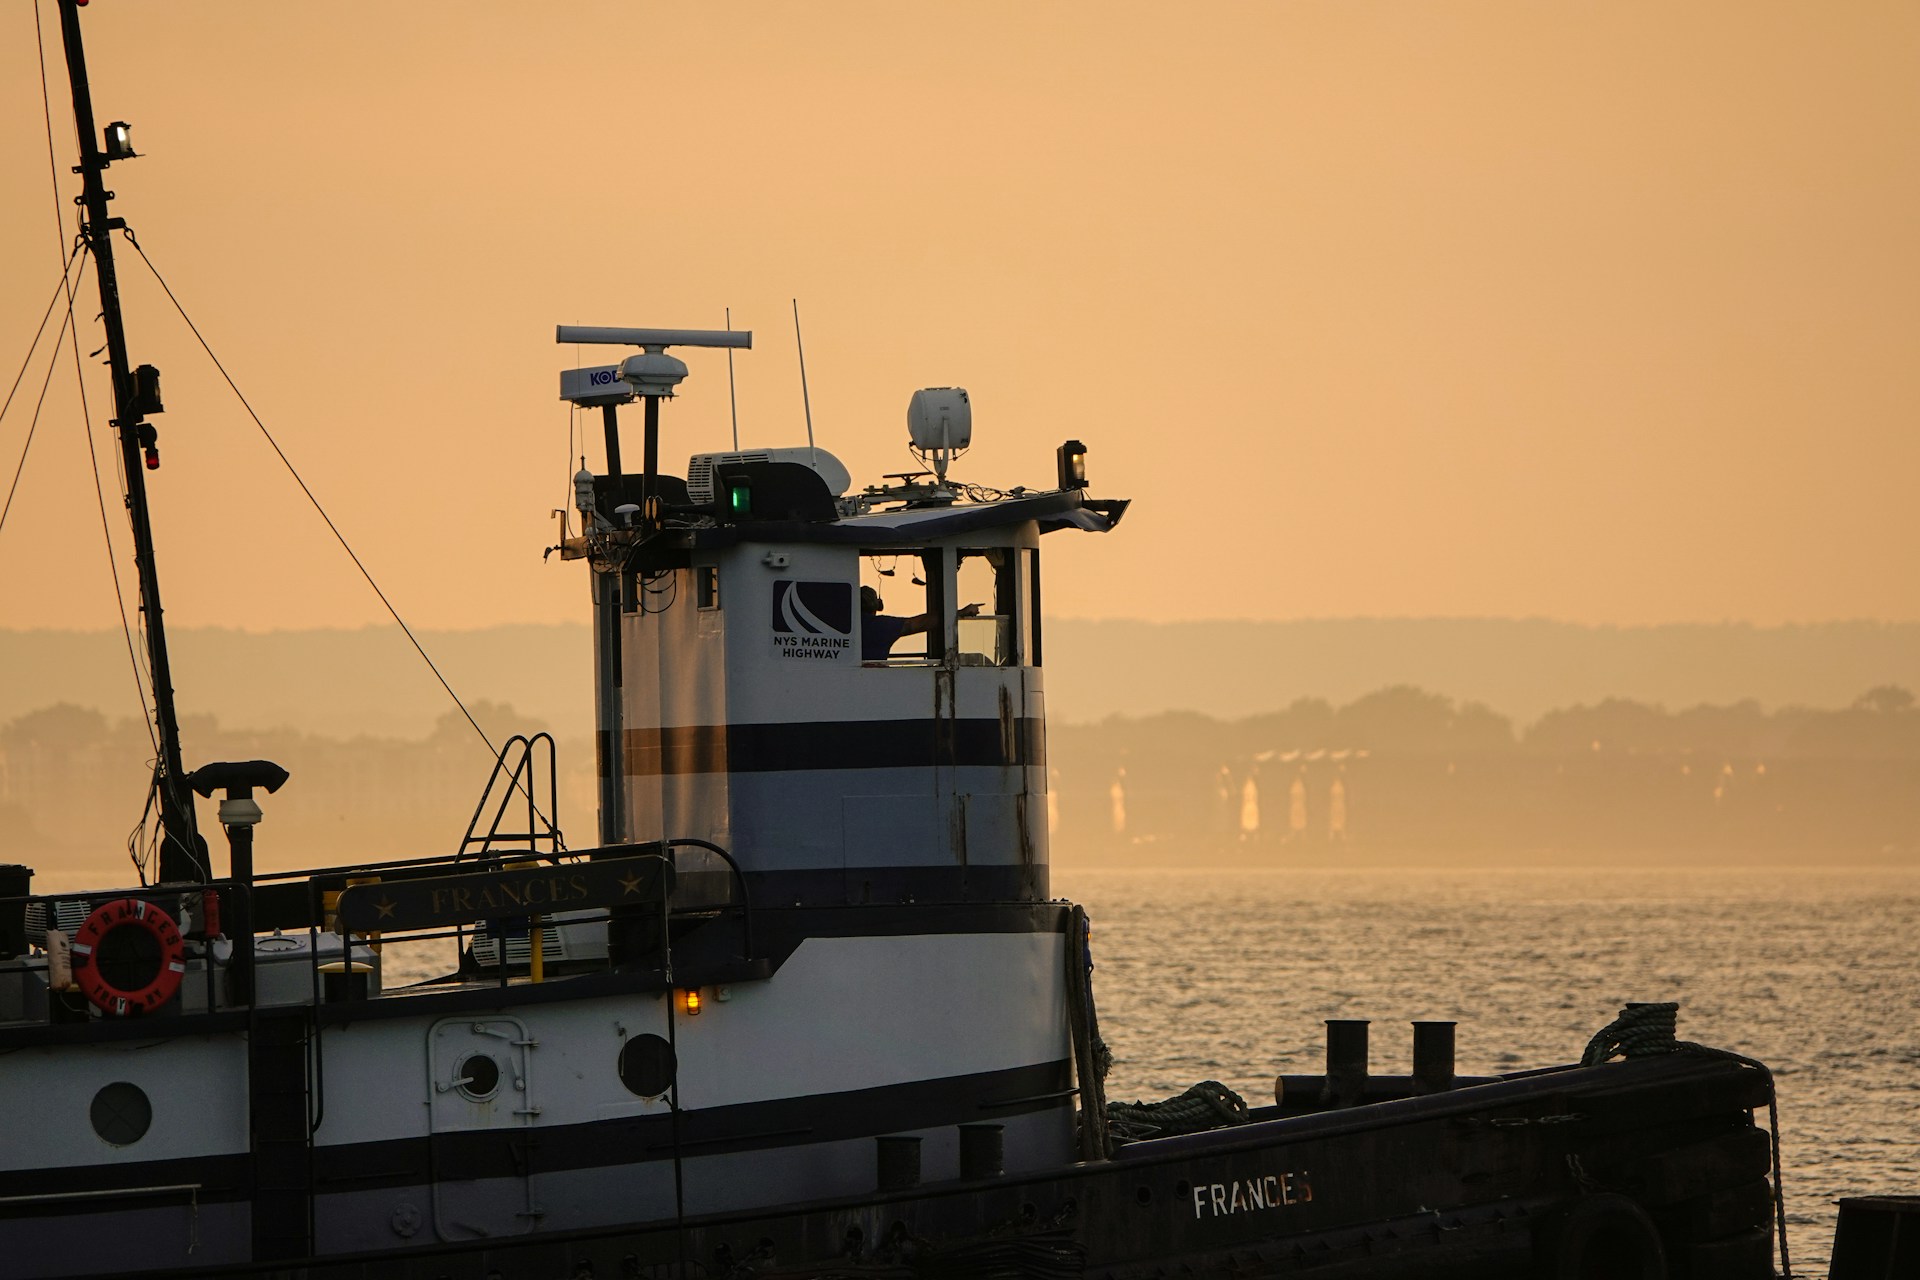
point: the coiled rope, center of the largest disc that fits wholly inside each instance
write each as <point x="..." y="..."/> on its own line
<point x="1641" y="1031"/>
<point x="1207" y="1105"/>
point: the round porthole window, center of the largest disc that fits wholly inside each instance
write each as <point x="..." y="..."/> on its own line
<point x="647" y="1066"/>
<point x="478" y="1077"/>
<point x="121" y="1113"/>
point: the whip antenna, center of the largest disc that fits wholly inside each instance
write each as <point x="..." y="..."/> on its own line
<point x="733" y="401"/>
<point x="805" y="403"/>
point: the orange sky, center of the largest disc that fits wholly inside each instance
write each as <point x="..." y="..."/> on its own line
<point x="1602" y="312"/>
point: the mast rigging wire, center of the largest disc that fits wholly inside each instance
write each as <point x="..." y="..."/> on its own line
<point x="45" y="316"/>
<point x="53" y="361"/>
<point x="297" y="479"/>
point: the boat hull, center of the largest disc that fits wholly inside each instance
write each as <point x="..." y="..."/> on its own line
<point x="1654" y="1164"/>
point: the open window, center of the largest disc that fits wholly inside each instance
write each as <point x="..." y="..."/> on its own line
<point x="996" y="585"/>
<point x="900" y="608"/>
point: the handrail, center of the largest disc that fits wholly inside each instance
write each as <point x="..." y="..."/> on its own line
<point x="746" y="902"/>
<point x="314" y="882"/>
<point x="47" y="1197"/>
<point x="522" y="779"/>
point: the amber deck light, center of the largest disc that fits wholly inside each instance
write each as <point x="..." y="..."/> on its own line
<point x="690" y="1002"/>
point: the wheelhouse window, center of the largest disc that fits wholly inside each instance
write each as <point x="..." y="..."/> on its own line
<point x="993" y="622"/>
<point x="900" y="608"/>
<point x="994" y="595"/>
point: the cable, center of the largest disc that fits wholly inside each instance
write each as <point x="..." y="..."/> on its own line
<point x="46" y="113"/>
<point x="47" y="315"/>
<point x="294" y="472"/>
<point x="671" y="591"/>
<point x="33" y="427"/>
<point x="333" y="528"/>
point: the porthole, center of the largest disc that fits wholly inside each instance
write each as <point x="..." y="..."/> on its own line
<point x="477" y="1077"/>
<point x="121" y="1113"/>
<point x="647" y="1066"/>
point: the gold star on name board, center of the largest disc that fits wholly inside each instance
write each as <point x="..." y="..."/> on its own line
<point x="630" y="882"/>
<point x="385" y="907"/>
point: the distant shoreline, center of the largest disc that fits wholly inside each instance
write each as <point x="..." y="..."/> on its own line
<point x="1259" y="860"/>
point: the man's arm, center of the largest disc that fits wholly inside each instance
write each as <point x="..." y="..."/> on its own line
<point x="917" y="624"/>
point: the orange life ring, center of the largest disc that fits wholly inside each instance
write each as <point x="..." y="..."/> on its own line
<point x="125" y="913"/>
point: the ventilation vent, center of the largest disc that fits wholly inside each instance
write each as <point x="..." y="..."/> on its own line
<point x="562" y="939"/>
<point x="831" y="470"/>
<point x="700" y="471"/>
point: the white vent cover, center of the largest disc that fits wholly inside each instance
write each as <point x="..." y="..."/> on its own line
<point x="700" y="468"/>
<point x="563" y="938"/>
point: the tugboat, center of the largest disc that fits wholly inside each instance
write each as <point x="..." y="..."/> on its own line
<point x="808" y="1007"/>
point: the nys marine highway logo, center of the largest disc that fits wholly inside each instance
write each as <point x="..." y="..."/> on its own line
<point x="814" y="621"/>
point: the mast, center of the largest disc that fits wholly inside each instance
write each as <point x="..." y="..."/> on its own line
<point x="182" y="855"/>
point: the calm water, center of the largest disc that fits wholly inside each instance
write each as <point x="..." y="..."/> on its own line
<point x="1228" y="975"/>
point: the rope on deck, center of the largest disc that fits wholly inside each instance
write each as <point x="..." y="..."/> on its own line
<point x="1641" y="1031"/>
<point x="1207" y="1105"/>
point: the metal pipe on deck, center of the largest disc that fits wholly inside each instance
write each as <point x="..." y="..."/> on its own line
<point x="1346" y="1061"/>
<point x="1433" y="1056"/>
<point x="898" y="1159"/>
<point x="983" y="1151"/>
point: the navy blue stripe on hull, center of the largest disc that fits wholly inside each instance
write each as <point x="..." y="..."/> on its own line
<point x="834" y="744"/>
<point x="747" y="1126"/>
<point x="505" y="1153"/>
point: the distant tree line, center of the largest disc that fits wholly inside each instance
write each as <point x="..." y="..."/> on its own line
<point x="1403" y="768"/>
<point x="1400" y="768"/>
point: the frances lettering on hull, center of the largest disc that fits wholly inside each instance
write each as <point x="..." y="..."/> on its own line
<point x="1262" y="1191"/>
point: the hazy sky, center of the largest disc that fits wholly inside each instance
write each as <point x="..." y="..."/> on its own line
<point x="1606" y="312"/>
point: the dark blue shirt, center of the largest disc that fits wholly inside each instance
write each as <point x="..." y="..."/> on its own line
<point x="878" y="632"/>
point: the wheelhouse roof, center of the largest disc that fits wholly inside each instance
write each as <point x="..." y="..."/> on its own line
<point x="916" y="526"/>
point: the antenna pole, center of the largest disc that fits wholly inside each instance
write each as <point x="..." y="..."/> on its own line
<point x="650" y="461"/>
<point x="182" y="855"/>
<point x="805" y="403"/>
<point x="610" y="424"/>
<point x="733" y="401"/>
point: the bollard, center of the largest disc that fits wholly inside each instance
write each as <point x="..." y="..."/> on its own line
<point x="899" y="1161"/>
<point x="983" y="1151"/>
<point x="1876" y="1237"/>
<point x="1432" y="1057"/>
<point x="1346" y="1061"/>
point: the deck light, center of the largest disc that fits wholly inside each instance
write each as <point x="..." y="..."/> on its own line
<point x="1072" y="460"/>
<point x="739" y="497"/>
<point x="119" y="141"/>
<point x="690" y="1002"/>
